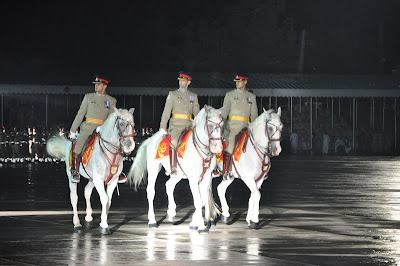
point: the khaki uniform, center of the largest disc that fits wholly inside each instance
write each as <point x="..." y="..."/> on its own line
<point x="180" y="103"/>
<point x="95" y="108"/>
<point x="240" y="107"/>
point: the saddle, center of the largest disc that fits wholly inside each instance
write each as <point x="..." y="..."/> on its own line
<point x="163" y="146"/>
<point x="240" y="143"/>
<point x="87" y="149"/>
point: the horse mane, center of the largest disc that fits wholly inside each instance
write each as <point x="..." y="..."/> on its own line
<point x="108" y="124"/>
<point x="258" y="125"/>
<point x="199" y="117"/>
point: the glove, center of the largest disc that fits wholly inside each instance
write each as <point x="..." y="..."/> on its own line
<point x="97" y="129"/>
<point x="73" y="135"/>
<point x="164" y="131"/>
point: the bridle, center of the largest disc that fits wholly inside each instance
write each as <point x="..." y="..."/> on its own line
<point x="121" y="135"/>
<point x="270" y="137"/>
<point x="196" y="138"/>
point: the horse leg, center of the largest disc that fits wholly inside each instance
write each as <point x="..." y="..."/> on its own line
<point x="221" y="189"/>
<point x="254" y="203"/>
<point x="170" y="187"/>
<point x="197" y="222"/>
<point x="104" y="203"/>
<point x="74" y="203"/>
<point x="151" y="182"/>
<point x="88" y="193"/>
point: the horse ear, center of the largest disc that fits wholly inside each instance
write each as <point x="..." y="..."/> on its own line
<point x="117" y="111"/>
<point x="131" y="110"/>
<point x="279" y="111"/>
<point x="206" y="108"/>
<point x="264" y="110"/>
<point x="268" y="115"/>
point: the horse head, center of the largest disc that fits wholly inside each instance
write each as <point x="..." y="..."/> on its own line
<point x="125" y="126"/>
<point x="208" y="129"/>
<point x="273" y="131"/>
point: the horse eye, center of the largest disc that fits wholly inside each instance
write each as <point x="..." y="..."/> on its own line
<point x="122" y="124"/>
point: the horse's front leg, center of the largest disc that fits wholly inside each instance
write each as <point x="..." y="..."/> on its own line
<point x="74" y="202"/>
<point x="221" y="189"/>
<point x="197" y="222"/>
<point x="98" y="183"/>
<point x="254" y="203"/>
<point x="170" y="187"/>
<point x="88" y="193"/>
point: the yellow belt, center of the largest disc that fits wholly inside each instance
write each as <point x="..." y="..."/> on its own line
<point x="189" y="117"/>
<point x="95" y="121"/>
<point x="239" y="118"/>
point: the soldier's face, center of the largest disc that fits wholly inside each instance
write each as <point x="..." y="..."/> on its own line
<point x="184" y="84"/>
<point x="241" y="84"/>
<point x="100" y="88"/>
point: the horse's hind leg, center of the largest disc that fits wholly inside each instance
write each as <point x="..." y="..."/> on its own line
<point x="170" y="187"/>
<point x="221" y="189"/>
<point x="74" y="202"/>
<point x="88" y="193"/>
<point x="151" y="182"/>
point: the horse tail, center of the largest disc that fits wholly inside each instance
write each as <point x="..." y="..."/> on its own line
<point x="138" y="171"/>
<point x="56" y="145"/>
<point x="212" y="206"/>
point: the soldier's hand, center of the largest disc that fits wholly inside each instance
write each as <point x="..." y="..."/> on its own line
<point x="72" y="135"/>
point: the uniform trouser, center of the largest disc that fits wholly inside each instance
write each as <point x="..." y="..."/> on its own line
<point x="230" y="140"/>
<point x="83" y="136"/>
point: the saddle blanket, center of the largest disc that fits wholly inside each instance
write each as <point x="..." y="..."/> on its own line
<point x="86" y="155"/>
<point x="238" y="151"/>
<point x="163" y="146"/>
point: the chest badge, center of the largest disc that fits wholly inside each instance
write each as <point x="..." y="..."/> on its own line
<point x="249" y="100"/>
<point x="107" y="104"/>
<point x="236" y="98"/>
<point x="191" y="99"/>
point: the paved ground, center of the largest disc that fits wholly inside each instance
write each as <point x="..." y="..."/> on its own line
<point x="314" y="211"/>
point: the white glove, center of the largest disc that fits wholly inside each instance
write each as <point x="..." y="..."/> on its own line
<point x="98" y="129"/>
<point x="164" y="131"/>
<point x="73" y="135"/>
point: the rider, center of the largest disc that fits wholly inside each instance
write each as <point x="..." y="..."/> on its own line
<point x="240" y="108"/>
<point x="183" y="105"/>
<point x="95" y="107"/>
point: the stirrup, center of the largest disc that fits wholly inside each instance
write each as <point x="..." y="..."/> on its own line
<point x="122" y="178"/>
<point x="76" y="178"/>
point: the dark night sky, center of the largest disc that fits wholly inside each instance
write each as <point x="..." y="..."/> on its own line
<point x="82" y="39"/>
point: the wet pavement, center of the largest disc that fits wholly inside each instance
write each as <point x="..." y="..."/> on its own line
<point x="313" y="211"/>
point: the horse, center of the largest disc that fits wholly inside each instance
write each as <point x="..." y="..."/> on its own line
<point x="114" y="137"/>
<point x="196" y="165"/>
<point x="265" y="134"/>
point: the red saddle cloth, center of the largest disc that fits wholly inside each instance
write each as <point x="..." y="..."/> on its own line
<point x="163" y="146"/>
<point x="87" y="152"/>
<point x="240" y="142"/>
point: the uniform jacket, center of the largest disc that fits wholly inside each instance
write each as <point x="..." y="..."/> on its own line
<point x="179" y="102"/>
<point x="239" y="103"/>
<point x="94" y="105"/>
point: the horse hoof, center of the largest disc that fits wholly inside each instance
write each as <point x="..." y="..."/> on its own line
<point x="170" y="218"/>
<point x="104" y="231"/>
<point x="88" y="225"/>
<point x="253" y="225"/>
<point x="193" y="228"/>
<point x="208" y="224"/>
<point x="224" y="219"/>
<point x="78" y="229"/>
<point x="203" y="231"/>
<point x="155" y="225"/>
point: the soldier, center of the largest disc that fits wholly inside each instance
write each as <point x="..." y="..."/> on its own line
<point x="95" y="107"/>
<point x="240" y="108"/>
<point x="183" y="105"/>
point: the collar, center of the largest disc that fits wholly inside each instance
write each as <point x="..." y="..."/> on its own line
<point x="240" y="91"/>
<point x="182" y="90"/>
<point x="98" y="94"/>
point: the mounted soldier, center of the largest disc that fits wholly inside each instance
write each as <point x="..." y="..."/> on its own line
<point x="240" y="108"/>
<point x="183" y="105"/>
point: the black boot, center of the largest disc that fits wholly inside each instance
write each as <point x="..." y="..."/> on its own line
<point x="172" y="160"/>
<point x="76" y="160"/>
<point x="227" y="162"/>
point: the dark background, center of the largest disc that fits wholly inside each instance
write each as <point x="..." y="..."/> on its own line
<point x="75" y="40"/>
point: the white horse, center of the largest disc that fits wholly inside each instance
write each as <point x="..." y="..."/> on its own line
<point x="114" y="138"/>
<point x="254" y="164"/>
<point x="196" y="165"/>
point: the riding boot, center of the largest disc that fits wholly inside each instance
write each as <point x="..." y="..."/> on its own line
<point x="227" y="162"/>
<point x="172" y="160"/>
<point x="75" y="167"/>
